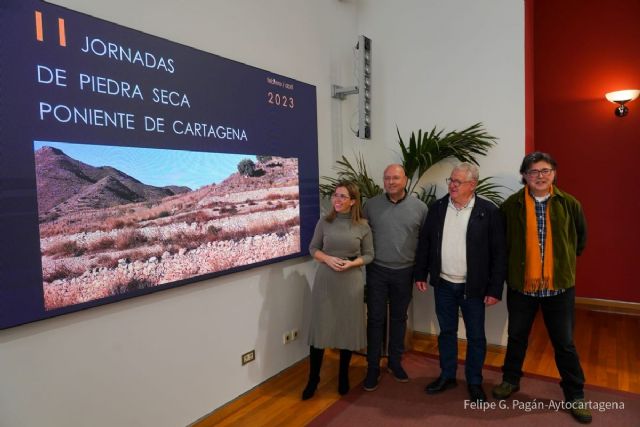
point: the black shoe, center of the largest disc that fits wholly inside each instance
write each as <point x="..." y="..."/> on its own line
<point x="371" y="381"/>
<point x="310" y="389"/>
<point x="440" y="385"/>
<point x="398" y="373"/>
<point x="476" y="393"/>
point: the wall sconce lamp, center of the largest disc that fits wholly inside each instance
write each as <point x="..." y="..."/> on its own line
<point x="621" y="97"/>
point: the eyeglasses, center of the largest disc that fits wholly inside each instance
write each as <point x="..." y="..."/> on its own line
<point x="341" y="196"/>
<point x="534" y="173"/>
<point x="455" y="182"/>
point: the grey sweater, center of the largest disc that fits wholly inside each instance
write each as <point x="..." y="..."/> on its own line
<point x="395" y="227"/>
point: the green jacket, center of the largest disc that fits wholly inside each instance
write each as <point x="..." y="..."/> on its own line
<point x="568" y="232"/>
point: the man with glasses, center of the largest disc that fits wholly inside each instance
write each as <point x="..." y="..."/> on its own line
<point x="463" y="252"/>
<point x="546" y="230"/>
<point x="395" y="219"/>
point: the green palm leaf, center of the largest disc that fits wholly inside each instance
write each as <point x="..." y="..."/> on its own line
<point x="488" y="190"/>
<point x="422" y="151"/>
<point x="425" y="150"/>
<point x="355" y="173"/>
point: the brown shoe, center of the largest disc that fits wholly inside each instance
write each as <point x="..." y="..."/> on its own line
<point x="504" y="390"/>
<point x="580" y="411"/>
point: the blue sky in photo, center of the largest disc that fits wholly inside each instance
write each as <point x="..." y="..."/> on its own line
<point x="157" y="167"/>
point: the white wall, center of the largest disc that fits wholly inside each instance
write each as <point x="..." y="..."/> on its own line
<point x="169" y="358"/>
<point x="448" y="64"/>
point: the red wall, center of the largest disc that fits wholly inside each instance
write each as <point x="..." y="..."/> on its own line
<point x="581" y="50"/>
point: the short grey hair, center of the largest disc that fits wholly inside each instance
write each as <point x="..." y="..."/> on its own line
<point x="472" y="170"/>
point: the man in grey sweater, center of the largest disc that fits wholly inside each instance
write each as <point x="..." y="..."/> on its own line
<point x="395" y="219"/>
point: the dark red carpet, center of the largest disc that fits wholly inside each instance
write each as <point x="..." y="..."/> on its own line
<point x="536" y="404"/>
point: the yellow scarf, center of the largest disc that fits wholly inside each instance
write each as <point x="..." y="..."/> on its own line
<point x="536" y="275"/>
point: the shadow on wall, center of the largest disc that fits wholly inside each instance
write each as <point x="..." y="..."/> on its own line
<point x="286" y="293"/>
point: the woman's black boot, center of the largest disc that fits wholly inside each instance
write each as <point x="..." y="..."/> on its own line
<point x="343" y="375"/>
<point x="315" y="363"/>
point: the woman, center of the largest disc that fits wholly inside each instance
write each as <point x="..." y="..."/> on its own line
<point x="342" y="243"/>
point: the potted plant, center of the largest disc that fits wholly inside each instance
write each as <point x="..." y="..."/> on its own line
<point x="422" y="152"/>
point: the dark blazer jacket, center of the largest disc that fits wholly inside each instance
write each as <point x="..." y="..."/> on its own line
<point x="486" y="248"/>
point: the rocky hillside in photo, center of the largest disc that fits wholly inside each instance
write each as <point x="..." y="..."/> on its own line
<point x="68" y="185"/>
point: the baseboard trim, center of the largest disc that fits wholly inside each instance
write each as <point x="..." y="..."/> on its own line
<point x="426" y="336"/>
<point x="608" y="306"/>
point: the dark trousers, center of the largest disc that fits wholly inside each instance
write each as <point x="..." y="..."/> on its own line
<point x="559" y="320"/>
<point x="449" y="297"/>
<point x="394" y="286"/>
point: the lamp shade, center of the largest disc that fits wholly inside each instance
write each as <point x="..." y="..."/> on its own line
<point x="623" y="96"/>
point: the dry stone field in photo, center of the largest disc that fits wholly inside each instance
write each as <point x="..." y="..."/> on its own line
<point x="103" y="233"/>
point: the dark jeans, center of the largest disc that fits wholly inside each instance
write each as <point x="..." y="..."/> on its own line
<point x="448" y="297"/>
<point x="396" y="287"/>
<point x="559" y="320"/>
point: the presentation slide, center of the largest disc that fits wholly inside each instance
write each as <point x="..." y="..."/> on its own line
<point x="131" y="164"/>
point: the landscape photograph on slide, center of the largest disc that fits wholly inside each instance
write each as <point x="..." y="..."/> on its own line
<point x="114" y="219"/>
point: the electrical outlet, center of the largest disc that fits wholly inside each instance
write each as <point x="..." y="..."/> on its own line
<point x="286" y="337"/>
<point x="294" y="334"/>
<point x="248" y="357"/>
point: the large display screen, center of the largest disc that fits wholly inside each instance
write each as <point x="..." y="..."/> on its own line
<point x="130" y="164"/>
